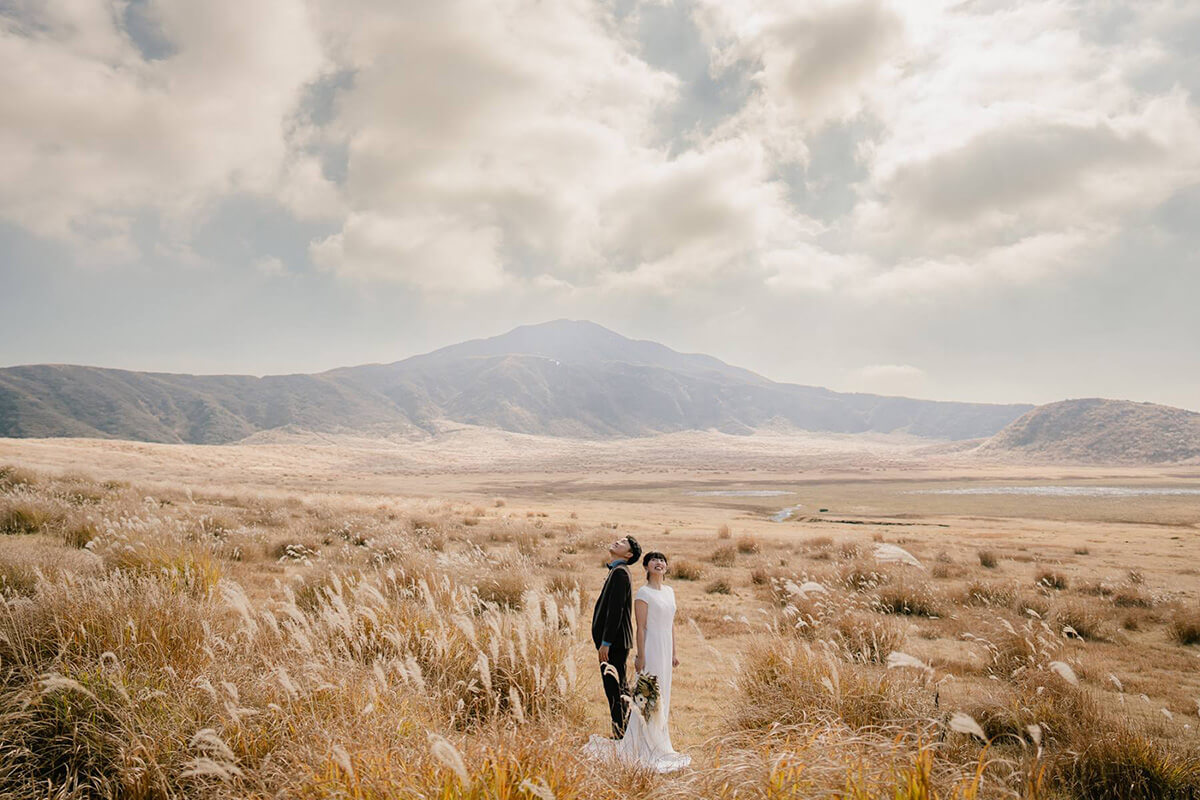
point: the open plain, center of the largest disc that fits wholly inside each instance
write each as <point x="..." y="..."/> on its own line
<point x="352" y="617"/>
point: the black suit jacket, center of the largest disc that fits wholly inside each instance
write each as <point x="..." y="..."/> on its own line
<point x="612" y="617"/>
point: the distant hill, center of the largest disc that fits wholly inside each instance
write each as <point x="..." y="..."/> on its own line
<point x="562" y="378"/>
<point x="1101" y="432"/>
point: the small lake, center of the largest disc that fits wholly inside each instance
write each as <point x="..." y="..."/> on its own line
<point x="1069" y="491"/>
<point x="784" y="514"/>
<point x="738" y="493"/>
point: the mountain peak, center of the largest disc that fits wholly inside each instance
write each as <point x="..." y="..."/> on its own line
<point x="584" y="342"/>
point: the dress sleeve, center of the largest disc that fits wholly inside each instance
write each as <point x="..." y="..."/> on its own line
<point x="642" y="594"/>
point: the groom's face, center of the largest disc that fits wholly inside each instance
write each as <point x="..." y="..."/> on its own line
<point x="620" y="548"/>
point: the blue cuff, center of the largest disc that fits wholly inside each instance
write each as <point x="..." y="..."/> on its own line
<point x="606" y="644"/>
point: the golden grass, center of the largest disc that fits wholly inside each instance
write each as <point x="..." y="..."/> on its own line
<point x="686" y="570"/>
<point x="1185" y="626"/>
<point x="724" y="556"/>
<point x="196" y="644"/>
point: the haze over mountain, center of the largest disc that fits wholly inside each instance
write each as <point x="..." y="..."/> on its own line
<point x="562" y="378"/>
<point x="1100" y="431"/>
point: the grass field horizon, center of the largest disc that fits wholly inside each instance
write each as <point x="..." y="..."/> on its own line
<point x="331" y="621"/>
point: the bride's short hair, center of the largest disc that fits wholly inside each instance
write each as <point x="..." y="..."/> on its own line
<point x="653" y="554"/>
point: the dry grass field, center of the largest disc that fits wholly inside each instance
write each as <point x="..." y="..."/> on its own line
<point x="370" y="620"/>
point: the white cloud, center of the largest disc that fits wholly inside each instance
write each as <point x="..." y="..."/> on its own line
<point x="94" y="134"/>
<point x="432" y="252"/>
<point x="518" y="145"/>
<point x="270" y="266"/>
<point x="811" y="62"/>
<point x="1016" y="127"/>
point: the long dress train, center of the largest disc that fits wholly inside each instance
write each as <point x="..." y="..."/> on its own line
<point x="647" y="739"/>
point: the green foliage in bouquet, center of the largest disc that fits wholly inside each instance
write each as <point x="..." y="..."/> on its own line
<point x="645" y="692"/>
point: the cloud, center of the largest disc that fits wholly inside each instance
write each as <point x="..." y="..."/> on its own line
<point x="270" y="266"/>
<point x="434" y="253"/>
<point x="811" y="62"/>
<point x="97" y="135"/>
<point x="472" y="146"/>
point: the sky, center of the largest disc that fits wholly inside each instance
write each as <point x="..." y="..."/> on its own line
<point x="973" y="200"/>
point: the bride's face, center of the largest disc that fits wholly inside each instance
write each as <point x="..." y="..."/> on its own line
<point x="656" y="566"/>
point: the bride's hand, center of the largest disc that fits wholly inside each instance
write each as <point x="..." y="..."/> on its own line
<point x="674" y="661"/>
<point x="639" y="662"/>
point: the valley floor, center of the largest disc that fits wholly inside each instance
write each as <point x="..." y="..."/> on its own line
<point x="1106" y="585"/>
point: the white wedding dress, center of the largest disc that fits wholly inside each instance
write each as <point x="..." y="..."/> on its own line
<point x="647" y="741"/>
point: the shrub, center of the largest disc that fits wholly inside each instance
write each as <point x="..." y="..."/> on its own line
<point x="80" y="533"/>
<point x="1037" y="603"/>
<point x="748" y="545"/>
<point x="528" y="543"/>
<point x="724" y="532"/>
<point x="943" y="570"/>
<point x="908" y="598"/>
<point x="719" y="586"/>
<point x="759" y="576"/>
<point x="1132" y="597"/>
<point x="68" y="737"/>
<point x="862" y="577"/>
<point x="193" y="571"/>
<point x="686" y="570"/>
<point x="289" y="550"/>
<point x="1014" y="650"/>
<point x="1082" y="550"/>
<point x="12" y="477"/>
<point x="988" y="558"/>
<point x="506" y="589"/>
<point x="848" y="551"/>
<point x="784" y="681"/>
<point x="17" y="580"/>
<point x="865" y="639"/>
<point x="563" y="583"/>
<point x="1185" y="626"/>
<point x="1096" y="588"/>
<point x="1052" y="579"/>
<point x="989" y="593"/>
<point x="724" y="556"/>
<point x="1084" y="620"/>
<point x="22" y="518"/>
<point x="1122" y="765"/>
<point x="1066" y="714"/>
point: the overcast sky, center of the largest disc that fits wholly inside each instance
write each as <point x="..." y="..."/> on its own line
<point x="976" y="200"/>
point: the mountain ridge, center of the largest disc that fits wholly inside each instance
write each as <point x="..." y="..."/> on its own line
<point x="560" y="378"/>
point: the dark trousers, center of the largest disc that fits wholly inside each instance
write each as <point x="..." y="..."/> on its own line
<point x="615" y="687"/>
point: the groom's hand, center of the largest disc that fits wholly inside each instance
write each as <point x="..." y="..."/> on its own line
<point x="603" y="652"/>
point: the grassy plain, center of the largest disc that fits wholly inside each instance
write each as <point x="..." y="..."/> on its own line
<point x="373" y="619"/>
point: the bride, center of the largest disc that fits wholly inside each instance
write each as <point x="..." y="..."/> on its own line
<point x="647" y="740"/>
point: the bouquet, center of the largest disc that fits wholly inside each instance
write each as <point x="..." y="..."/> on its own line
<point x="645" y="693"/>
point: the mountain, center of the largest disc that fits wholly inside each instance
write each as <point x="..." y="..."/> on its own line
<point x="1103" y="432"/>
<point x="562" y="378"/>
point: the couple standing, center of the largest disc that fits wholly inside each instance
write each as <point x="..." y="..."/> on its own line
<point x="646" y="740"/>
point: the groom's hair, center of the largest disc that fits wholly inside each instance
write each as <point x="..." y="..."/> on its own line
<point x="635" y="548"/>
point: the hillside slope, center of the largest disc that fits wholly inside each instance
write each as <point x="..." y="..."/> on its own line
<point x="1101" y="432"/>
<point x="560" y="378"/>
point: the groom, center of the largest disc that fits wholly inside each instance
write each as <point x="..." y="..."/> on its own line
<point x="612" y="628"/>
